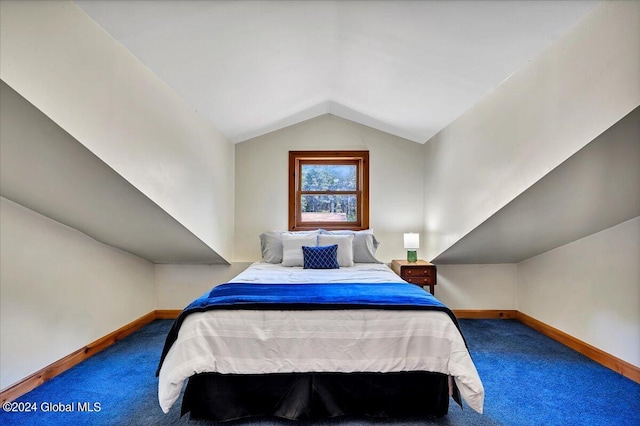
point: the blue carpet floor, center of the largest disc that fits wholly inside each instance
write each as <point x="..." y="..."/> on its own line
<point x="529" y="379"/>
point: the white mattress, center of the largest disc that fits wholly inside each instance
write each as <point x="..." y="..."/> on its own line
<point x="362" y="340"/>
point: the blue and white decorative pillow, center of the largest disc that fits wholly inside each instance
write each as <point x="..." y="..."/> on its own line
<point x="320" y="257"/>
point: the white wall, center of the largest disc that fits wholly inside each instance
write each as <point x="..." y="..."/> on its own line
<point x="540" y="116"/>
<point x="478" y="286"/>
<point x="178" y="285"/>
<point x="396" y="179"/>
<point x="65" y="64"/>
<point x="61" y="290"/>
<point x="589" y="289"/>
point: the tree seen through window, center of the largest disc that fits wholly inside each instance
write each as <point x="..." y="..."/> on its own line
<point x="322" y="207"/>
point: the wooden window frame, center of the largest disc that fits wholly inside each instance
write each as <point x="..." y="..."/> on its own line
<point x="359" y="158"/>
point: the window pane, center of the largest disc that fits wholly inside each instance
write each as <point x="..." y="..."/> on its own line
<point x="329" y="208"/>
<point x="325" y="177"/>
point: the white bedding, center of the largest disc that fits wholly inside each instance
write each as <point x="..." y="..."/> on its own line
<point x="270" y="273"/>
<point x="363" y="340"/>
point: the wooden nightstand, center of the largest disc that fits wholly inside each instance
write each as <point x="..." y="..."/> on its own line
<point x="420" y="273"/>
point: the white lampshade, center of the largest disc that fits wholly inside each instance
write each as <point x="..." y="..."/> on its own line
<point x="412" y="240"/>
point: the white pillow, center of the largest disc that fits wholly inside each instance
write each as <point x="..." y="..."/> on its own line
<point x="364" y="244"/>
<point x="345" y="247"/>
<point x="292" y="247"/>
<point x="271" y="245"/>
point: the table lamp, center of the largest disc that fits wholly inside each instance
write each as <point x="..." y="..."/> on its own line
<point x="412" y="243"/>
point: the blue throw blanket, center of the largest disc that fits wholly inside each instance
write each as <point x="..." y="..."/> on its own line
<point x="393" y="296"/>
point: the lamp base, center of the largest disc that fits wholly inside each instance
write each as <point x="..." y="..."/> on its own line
<point x="412" y="255"/>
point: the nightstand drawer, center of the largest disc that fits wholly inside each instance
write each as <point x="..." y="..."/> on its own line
<point x="419" y="272"/>
<point x="419" y="280"/>
<point x="416" y="272"/>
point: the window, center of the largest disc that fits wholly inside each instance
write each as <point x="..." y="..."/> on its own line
<point x="328" y="189"/>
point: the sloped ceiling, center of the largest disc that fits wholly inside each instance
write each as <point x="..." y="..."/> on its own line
<point x="45" y="169"/>
<point x="596" y="188"/>
<point x="408" y="68"/>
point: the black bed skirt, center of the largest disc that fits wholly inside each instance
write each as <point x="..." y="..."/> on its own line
<point x="309" y="396"/>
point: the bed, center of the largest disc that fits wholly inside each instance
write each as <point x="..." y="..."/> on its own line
<point x="301" y="343"/>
